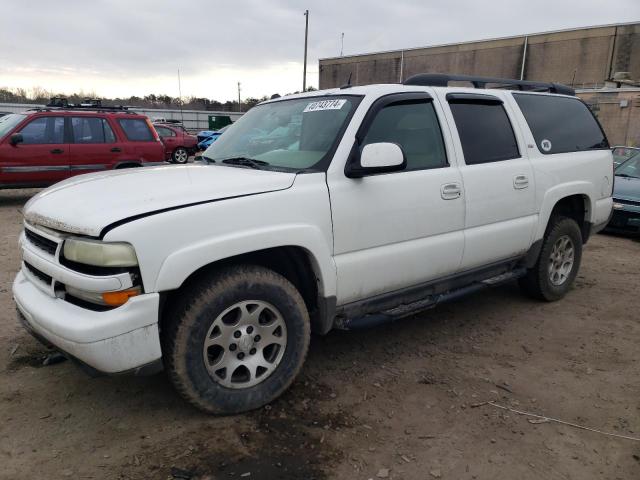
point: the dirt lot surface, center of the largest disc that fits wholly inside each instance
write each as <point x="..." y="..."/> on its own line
<point x="402" y="401"/>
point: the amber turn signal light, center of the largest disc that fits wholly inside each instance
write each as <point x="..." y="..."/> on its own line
<point x="115" y="299"/>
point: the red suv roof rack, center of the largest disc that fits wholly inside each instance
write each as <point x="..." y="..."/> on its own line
<point x="94" y="104"/>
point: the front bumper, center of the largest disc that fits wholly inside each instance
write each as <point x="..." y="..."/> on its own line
<point x="625" y="221"/>
<point x="115" y="341"/>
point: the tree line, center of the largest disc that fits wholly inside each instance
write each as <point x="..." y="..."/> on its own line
<point x="40" y="95"/>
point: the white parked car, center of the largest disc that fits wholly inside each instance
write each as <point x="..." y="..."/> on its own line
<point x="369" y="204"/>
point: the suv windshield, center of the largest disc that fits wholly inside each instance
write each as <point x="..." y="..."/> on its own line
<point x="293" y="134"/>
<point x="9" y="121"/>
<point x="630" y="168"/>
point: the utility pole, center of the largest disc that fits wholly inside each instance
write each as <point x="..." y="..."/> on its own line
<point x="180" y="93"/>
<point x="239" y="104"/>
<point x="306" y="36"/>
<point x="342" y="44"/>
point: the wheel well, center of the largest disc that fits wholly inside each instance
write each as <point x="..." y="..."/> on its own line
<point x="575" y="207"/>
<point x="293" y="263"/>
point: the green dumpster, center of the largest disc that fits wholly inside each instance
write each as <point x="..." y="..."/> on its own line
<point x="216" y="122"/>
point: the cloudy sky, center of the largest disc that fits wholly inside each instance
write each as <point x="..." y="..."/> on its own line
<point x="135" y="47"/>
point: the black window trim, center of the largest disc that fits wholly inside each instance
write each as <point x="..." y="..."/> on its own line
<point x="378" y="105"/>
<point x="604" y="135"/>
<point x="482" y="99"/>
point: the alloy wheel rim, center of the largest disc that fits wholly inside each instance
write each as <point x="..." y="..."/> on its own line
<point x="245" y="344"/>
<point x="561" y="260"/>
<point x="181" y="156"/>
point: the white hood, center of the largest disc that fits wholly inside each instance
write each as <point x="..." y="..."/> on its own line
<point x="88" y="203"/>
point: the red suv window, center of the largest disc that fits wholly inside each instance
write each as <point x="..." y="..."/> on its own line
<point x="91" y="130"/>
<point x="44" y="130"/>
<point x="136" y="129"/>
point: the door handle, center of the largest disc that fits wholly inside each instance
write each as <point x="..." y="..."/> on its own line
<point x="450" y="191"/>
<point x="116" y="149"/>
<point x="520" y="182"/>
<point x="57" y="151"/>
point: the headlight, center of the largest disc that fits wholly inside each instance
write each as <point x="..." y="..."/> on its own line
<point x="100" y="254"/>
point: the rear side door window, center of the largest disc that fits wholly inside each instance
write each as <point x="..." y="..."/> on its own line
<point x="414" y="126"/>
<point x="136" y="129"/>
<point x="561" y="124"/>
<point x="91" y="130"/>
<point x="486" y="134"/>
<point x="44" y="130"/>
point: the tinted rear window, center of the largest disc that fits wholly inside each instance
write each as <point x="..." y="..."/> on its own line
<point x="485" y="132"/>
<point x="561" y="124"/>
<point x="136" y="129"/>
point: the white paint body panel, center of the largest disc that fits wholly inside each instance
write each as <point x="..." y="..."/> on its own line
<point x="364" y="237"/>
<point x="87" y="203"/>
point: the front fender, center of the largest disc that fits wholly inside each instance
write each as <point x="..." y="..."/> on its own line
<point x="179" y="265"/>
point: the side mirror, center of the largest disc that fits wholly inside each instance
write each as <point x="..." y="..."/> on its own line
<point x="16" y="138"/>
<point x="375" y="158"/>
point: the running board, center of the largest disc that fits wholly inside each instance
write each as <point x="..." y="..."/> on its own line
<point x="404" y="310"/>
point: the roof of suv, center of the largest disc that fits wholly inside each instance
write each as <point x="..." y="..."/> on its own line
<point x="441" y="81"/>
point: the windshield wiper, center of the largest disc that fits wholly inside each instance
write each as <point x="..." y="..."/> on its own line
<point x="246" y="162"/>
<point x="625" y="175"/>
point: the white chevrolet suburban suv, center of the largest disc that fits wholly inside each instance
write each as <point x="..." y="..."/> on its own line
<point x="334" y="209"/>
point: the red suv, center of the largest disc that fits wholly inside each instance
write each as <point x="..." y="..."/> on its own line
<point x="179" y="144"/>
<point x="43" y="146"/>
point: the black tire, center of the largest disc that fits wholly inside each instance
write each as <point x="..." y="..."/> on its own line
<point x="180" y="155"/>
<point x="537" y="282"/>
<point x="188" y="322"/>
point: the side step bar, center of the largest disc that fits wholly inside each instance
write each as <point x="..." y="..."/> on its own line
<point x="404" y="310"/>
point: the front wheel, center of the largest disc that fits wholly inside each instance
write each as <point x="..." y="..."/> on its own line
<point x="180" y="155"/>
<point x="553" y="274"/>
<point x="236" y="340"/>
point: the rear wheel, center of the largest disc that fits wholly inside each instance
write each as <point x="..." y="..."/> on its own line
<point x="180" y="155"/>
<point x="237" y="340"/>
<point x="559" y="261"/>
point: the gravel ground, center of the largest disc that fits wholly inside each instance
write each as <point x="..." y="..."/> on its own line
<point x="402" y="401"/>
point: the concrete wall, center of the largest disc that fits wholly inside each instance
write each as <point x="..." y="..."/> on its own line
<point x="618" y="110"/>
<point x="582" y="57"/>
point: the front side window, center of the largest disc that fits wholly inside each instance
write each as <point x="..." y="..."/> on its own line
<point x="91" y="130"/>
<point x="136" y="129"/>
<point x="413" y="126"/>
<point x="293" y="134"/>
<point x="44" y="130"/>
<point x="8" y="122"/>
<point x="561" y="124"/>
<point x="485" y="131"/>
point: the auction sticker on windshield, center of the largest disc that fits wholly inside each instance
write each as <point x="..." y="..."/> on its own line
<point x="324" y="105"/>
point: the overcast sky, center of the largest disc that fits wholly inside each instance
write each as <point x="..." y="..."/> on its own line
<point x="135" y="47"/>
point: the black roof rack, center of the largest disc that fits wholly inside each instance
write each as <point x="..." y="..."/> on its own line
<point x="442" y="80"/>
<point x="94" y="104"/>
